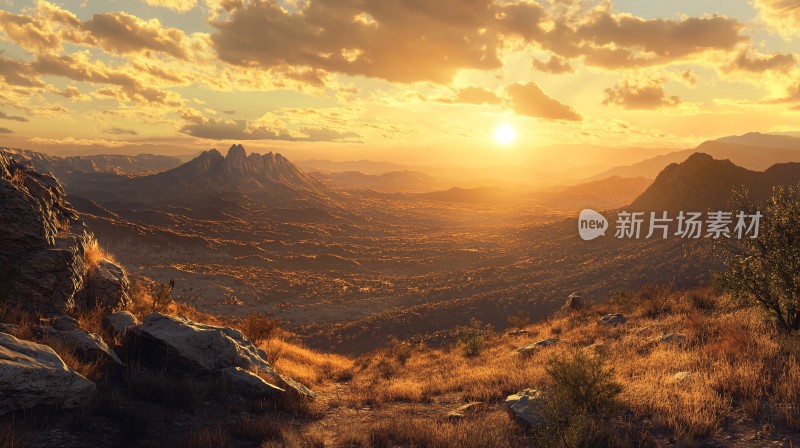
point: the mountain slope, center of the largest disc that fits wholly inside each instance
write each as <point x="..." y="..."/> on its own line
<point x="702" y="182"/>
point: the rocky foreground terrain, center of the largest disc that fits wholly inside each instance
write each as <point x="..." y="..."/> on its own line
<point x="92" y="358"/>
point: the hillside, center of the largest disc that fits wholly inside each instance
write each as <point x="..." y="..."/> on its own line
<point x="702" y="182"/>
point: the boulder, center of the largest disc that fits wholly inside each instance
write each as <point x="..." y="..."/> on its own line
<point x="87" y="345"/>
<point x="681" y="377"/>
<point x="119" y="322"/>
<point x="249" y="385"/>
<point x="179" y="344"/>
<point x="575" y="302"/>
<point x="32" y="374"/>
<point x="526" y="407"/>
<point x="611" y="320"/>
<point x="107" y="286"/>
<point x="536" y="346"/>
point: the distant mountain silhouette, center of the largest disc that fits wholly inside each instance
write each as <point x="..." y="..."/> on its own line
<point x="210" y="174"/>
<point x="702" y="182"/>
<point x="753" y="151"/>
<point x="394" y="181"/>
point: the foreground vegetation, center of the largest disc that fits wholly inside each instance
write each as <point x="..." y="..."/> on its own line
<point x="723" y="370"/>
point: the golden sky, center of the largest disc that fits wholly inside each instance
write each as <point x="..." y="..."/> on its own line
<point x="345" y="79"/>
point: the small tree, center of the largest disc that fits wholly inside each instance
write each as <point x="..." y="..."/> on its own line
<point x="472" y="338"/>
<point x="766" y="270"/>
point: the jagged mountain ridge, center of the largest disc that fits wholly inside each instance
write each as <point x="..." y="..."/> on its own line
<point x="702" y="182"/>
<point x="211" y="174"/>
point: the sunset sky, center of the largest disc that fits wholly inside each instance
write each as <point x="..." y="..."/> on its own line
<point x="341" y="79"/>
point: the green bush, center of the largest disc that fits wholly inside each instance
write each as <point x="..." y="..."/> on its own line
<point x="579" y="403"/>
<point x="766" y="270"/>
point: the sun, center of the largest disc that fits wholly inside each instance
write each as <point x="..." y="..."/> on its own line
<point x="505" y="134"/>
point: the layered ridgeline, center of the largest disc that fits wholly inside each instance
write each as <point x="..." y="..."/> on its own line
<point x="702" y="182"/>
<point x="77" y="168"/>
<point x="270" y="176"/>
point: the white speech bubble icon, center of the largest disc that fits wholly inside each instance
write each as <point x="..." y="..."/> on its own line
<point x="591" y="224"/>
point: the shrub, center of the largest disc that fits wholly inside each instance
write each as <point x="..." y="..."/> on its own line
<point x="520" y="319"/>
<point x="471" y="339"/>
<point x="260" y="328"/>
<point x="579" y="402"/>
<point x="766" y="270"/>
<point x="655" y="299"/>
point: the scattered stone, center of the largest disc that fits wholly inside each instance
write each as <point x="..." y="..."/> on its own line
<point x="517" y="332"/>
<point x="525" y="407"/>
<point x="32" y="374"/>
<point x="681" y="376"/>
<point x="575" y="302"/>
<point x="612" y="320"/>
<point x="598" y="348"/>
<point x="673" y="338"/>
<point x="536" y="346"/>
<point x="471" y="408"/>
<point x="119" y="322"/>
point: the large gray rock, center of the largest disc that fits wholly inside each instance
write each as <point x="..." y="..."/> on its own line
<point x="248" y="384"/>
<point x="107" y="286"/>
<point x="526" y="407"/>
<point x="32" y="374"/>
<point x="181" y="344"/>
<point x="86" y="345"/>
<point x="119" y="322"/>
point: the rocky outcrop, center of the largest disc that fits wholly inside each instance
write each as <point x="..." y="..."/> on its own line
<point x="526" y="407"/>
<point x="32" y="374"/>
<point x="43" y="245"/>
<point x="106" y="286"/>
<point x="575" y="302"/>
<point x="249" y="385"/>
<point x="182" y="345"/>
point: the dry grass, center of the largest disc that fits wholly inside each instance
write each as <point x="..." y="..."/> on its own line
<point x="207" y="437"/>
<point x="733" y="355"/>
<point x="308" y="366"/>
<point x="495" y="430"/>
<point x="93" y="254"/>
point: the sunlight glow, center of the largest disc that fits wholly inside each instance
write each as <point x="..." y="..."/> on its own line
<point x="505" y="134"/>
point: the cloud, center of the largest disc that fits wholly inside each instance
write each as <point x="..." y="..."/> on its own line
<point x="6" y="131"/>
<point x="123" y="33"/>
<point x="554" y="65"/>
<point x="213" y="129"/>
<point x="781" y="16"/>
<point x="177" y="5"/>
<point x="417" y="41"/>
<point x="758" y="63"/>
<point x="5" y="116"/>
<point x="17" y="73"/>
<point x="396" y="41"/>
<point x="78" y="68"/>
<point x="529" y="99"/>
<point x="641" y="94"/>
<point x="120" y="131"/>
<point x="473" y="95"/>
